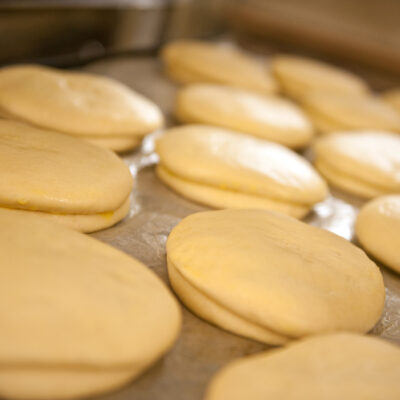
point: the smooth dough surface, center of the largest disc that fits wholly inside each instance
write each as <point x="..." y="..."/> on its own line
<point x="267" y="117"/>
<point x="75" y="103"/>
<point x="55" y="173"/>
<point x="351" y="112"/>
<point x="274" y="272"/>
<point x="190" y="61"/>
<point x="228" y="169"/>
<point x="85" y="222"/>
<point x="341" y="366"/>
<point x="299" y="75"/>
<point x="365" y="163"/>
<point x="225" y="198"/>
<point x="118" y="144"/>
<point x="378" y="230"/>
<point x="95" y="316"/>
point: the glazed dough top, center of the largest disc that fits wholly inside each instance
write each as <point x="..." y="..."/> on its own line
<point x="311" y="74"/>
<point x="219" y="64"/>
<point x="354" y="112"/>
<point x="75" y="103"/>
<point x="66" y="298"/>
<point x="269" y="117"/>
<point x="372" y="156"/>
<point x="338" y="366"/>
<point x="53" y="172"/>
<point x="278" y="272"/>
<point x="238" y="162"/>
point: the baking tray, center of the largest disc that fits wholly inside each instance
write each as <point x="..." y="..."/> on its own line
<point x="201" y="349"/>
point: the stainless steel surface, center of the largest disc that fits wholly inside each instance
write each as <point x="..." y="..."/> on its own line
<point x="202" y="348"/>
<point x="64" y="32"/>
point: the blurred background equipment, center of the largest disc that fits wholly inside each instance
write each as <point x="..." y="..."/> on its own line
<point x="355" y="33"/>
<point x="360" y="31"/>
<point x="66" y="32"/>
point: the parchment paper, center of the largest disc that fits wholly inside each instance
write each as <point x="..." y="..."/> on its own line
<point x="202" y="348"/>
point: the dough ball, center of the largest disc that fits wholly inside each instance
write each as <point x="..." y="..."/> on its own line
<point x="194" y="61"/>
<point x="272" y="278"/>
<point x="378" y="230"/>
<point x="62" y="177"/>
<point x="226" y="169"/>
<point x="78" y="317"/>
<point x="299" y="75"/>
<point x="363" y="163"/>
<point x="341" y="366"/>
<point x="266" y="117"/>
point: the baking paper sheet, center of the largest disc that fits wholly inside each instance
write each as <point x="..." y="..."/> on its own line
<point x="201" y="348"/>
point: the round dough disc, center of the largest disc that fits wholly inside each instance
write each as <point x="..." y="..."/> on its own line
<point x="350" y="112"/>
<point x="55" y="173"/>
<point x="272" y="272"/>
<point x="85" y="222"/>
<point x="117" y="144"/>
<point x="378" y="230"/>
<point x="77" y="316"/>
<point x="267" y="117"/>
<point x="227" y="169"/>
<point x="76" y="103"/>
<point x="338" y="366"/>
<point x="299" y="75"/>
<point x="364" y="163"/>
<point x="191" y="61"/>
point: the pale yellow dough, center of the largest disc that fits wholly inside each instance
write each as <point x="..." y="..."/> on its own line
<point x="378" y="230"/>
<point x="350" y="112"/>
<point x="267" y="117"/>
<point x="364" y="163"/>
<point x="78" y="104"/>
<point x="227" y="169"/>
<point x="78" y="317"/>
<point x="193" y="61"/>
<point x="392" y="97"/>
<point x="68" y="178"/>
<point x="85" y="222"/>
<point x="270" y="277"/>
<point x="117" y="144"/>
<point x="341" y="366"/>
<point x="299" y="75"/>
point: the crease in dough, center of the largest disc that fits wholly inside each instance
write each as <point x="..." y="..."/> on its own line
<point x="211" y="310"/>
<point x="226" y="169"/>
<point x="83" y="222"/>
<point x="349" y="183"/>
<point x="227" y="198"/>
<point x="274" y="271"/>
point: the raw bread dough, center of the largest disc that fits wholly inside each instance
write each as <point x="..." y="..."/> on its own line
<point x="364" y="163"/>
<point x="299" y="75"/>
<point x="193" y="61"/>
<point x="270" y="277"/>
<point x="76" y="103"/>
<point x="349" y="112"/>
<point x="227" y="169"/>
<point x="378" y="230"/>
<point x="85" y="222"/>
<point x="392" y="97"/>
<point x="267" y="117"/>
<point x="65" y="177"/>
<point x="78" y="317"/>
<point x="117" y="144"/>
<point x="341" y="366"/>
